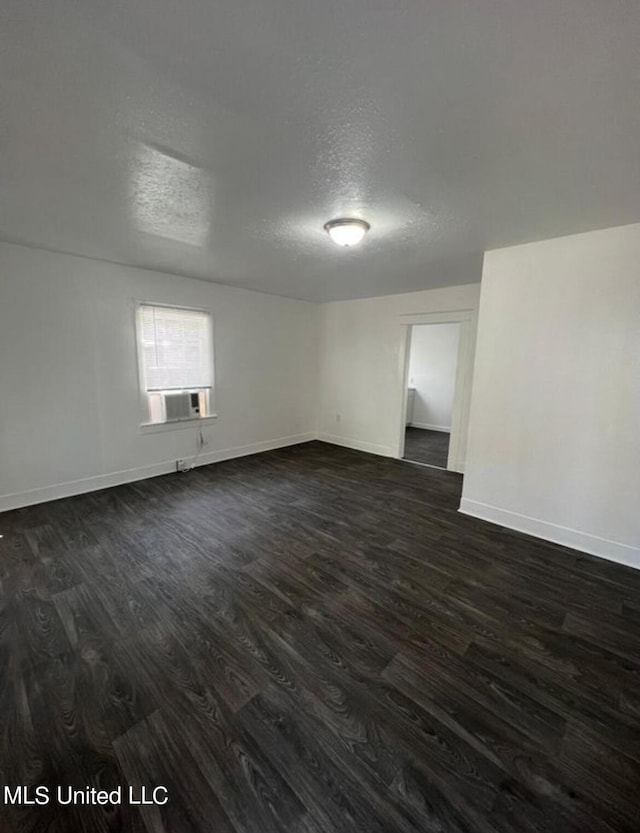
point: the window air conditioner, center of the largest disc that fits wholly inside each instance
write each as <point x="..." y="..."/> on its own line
<point x="181" y="405"/>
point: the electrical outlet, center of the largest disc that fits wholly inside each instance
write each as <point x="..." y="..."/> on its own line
<point x="180" y="465"/>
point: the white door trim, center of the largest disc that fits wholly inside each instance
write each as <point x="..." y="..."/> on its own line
<point x="464" y="370"/>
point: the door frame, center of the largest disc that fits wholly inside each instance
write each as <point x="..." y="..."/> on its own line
<point x="462" y="390"/>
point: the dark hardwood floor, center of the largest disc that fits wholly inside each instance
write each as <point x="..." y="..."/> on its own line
<point x="424" y="446"/>
<point x="313" y="640"/>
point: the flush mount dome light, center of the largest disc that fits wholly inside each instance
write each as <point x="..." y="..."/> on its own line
<point x="346" y="232"/>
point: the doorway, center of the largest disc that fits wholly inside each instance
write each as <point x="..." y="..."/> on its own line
<point x="436" y="441"/>
<point x="431" y="382"/>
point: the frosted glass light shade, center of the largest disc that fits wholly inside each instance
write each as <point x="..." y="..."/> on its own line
<point x="347" y="232"/>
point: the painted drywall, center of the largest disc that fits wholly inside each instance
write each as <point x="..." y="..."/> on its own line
<point x="362" y="364"/>
<point x="432" y="373"/>
<point x="69" y="403"/>
<point x="554" y="437"/>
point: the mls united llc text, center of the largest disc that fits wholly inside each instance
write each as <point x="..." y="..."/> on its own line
<point x="40" y="795"/>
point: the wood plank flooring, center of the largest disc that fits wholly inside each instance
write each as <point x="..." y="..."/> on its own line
<point x="424" y="446"/>
<point x="313" y="640"/>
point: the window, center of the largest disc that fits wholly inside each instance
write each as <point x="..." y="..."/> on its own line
<point x="175" y="348"/>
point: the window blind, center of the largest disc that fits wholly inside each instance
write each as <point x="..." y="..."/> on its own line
<point x="175" y="348"/>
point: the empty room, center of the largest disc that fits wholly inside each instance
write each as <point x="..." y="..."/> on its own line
<point x="320" y="416"/>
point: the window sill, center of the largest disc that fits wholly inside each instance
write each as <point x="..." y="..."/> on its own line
<point x="178" y="425"/>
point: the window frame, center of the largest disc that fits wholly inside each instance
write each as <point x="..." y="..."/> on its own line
<point x="145" y="425"/>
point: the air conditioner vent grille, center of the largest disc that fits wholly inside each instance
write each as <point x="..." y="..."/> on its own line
<point x="179" y="406"/>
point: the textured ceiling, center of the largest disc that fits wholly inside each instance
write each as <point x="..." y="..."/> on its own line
<point x="214" y="138"/>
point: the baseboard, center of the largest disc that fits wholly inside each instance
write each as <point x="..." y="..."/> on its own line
<point x="357" y="445"/>
<point x="573" y="538"/>
<point x="428" y="427"/>
<point x="117" y="478"/>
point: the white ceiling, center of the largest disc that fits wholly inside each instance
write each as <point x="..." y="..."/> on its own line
<point x="214" y="138"/>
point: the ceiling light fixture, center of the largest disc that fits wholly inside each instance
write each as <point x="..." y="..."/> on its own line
<point x="346" y="232"/>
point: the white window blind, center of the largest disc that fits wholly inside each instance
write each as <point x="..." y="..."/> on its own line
<point x="175" y="348"/>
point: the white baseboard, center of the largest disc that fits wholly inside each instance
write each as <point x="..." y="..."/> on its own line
<point x="574" y="538"/>
<point x="443" y="428"/>
<point x="117" y="478"/>
<point x="357" y="445"/>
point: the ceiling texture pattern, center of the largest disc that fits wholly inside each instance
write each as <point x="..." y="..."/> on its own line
<point x="214" y="138"/>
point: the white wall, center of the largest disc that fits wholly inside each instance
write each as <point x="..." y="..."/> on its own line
<point x="362" y="364"/>
<point x="432" y="372"/>
<point x="69" y="400"/>
<point x="554" y="438"/>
